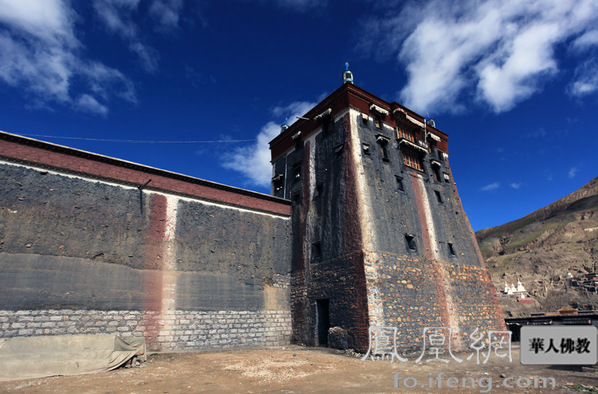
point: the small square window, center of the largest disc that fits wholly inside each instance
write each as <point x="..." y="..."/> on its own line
<point x="410" y="242"/>
<point x="338" y="150"/>
<point x="378" y="123"/>
<point x="383" y="142"/>
<point x="326" y="124"/>
<point x="318" y="191"/>
<point x="297" y="172"/>
<point x="436" y="171"/>
<point x="278" y="182"/>
<point x="316" y="251"/>
<point x="438" y="196"/>
<point x="447" y="178"/>
<point x="400" y="184"/>
<point x="451" y="249"/>
<point x="298" y="141"/>
<point x="366" y="149"/>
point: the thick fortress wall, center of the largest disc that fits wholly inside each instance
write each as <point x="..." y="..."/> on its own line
<point x="86" y="246"/>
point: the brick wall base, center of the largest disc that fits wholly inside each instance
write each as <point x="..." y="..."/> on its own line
<point x="179" y="330"/>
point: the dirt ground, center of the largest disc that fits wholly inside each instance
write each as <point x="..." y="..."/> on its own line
<point x="301" y="370"/>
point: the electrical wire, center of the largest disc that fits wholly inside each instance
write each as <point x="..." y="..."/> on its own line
<point x="138" y="141"/>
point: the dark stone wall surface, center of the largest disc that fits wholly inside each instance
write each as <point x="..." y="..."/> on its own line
<point x="396" y="212"/>
<point x="423" y="288"/>
<point x="69" y="242"/>
<point x="231" y="242"/>
<point x="327" y="247"/>
<point x="37" y="282"/>
<point x="341" y="281"/>
<point x="229" y="256"/>
<point x="48" y="214"/>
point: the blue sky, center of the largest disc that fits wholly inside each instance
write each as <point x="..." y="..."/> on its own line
<point x="514" y="83"/>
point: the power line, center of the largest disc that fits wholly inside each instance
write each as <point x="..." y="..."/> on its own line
<point x="139" y="141"/>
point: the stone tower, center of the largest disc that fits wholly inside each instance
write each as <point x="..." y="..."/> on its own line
<point x="380" y="237"/>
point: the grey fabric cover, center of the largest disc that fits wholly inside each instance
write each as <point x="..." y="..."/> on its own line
<point x="34" y="357"/>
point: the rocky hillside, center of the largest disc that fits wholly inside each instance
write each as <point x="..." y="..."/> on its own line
<point x="542" y="248"/>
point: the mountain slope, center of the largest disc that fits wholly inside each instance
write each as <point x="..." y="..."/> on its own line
<point x="541" y="248"/>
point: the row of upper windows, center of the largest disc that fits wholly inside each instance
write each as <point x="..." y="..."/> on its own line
<point x="405" y="134"/>
<point x="409" y="135"/>
<point x="410" y="247"/>
<point x="411" y="160"/>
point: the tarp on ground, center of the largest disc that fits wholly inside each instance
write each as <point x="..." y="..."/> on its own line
<point x="35" y="357"/>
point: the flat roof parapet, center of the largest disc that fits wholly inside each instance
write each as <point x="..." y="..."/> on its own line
<point x="19" y="149"/>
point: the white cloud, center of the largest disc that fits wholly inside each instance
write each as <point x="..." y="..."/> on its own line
<point x="505" y="82"/>
<point x="166" y="13"/>
<point x="515" y="185"/>
<point x="118" y="17"/>
<point x="291" y="111"/>
<point x="586" y="40"/>
<point x="586" y="79"/>
<point x="88" y="103"/>
<point x="498" y="52"/>
<point x="572" y="172"/>
<point x="39" y="54"/>
<point x="254" y="161"/>
<point x="491" y="186"/>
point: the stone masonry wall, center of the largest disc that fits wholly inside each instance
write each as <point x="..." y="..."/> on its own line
<point x="191" y="330"/>
<point x="414" y="298"/>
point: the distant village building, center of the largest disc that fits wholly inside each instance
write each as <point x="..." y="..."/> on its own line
<point x="588" y="282"/>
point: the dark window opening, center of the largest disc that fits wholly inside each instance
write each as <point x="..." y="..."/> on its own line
<point x="298" y="141"/>
<point x="297" y="197"/>
<point x="451" y="249"/>
<point x="383" y="142"/>
<point x="438" y="196"/>
<point x="410" y="242"/>
<point x="318" y="191"/>
<point x="278" y="182"/>
<point x="366" y="149"/>
<point x="447" y="178"/>
<point x="322" y="321"/>
<point x="316" y="251"/>
<point x="297" y="171"/>
<point x="338" y="150"/>
<point x="436" y="171"/>
<point x="384" y="151"/>
<point x="400" y="184"/>
<point x="326" y="124"/>
<point x="440" y="155"/>
<point x="378" y="123"/>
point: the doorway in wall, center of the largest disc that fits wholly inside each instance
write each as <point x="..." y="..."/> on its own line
<point x="323" y="321"/>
